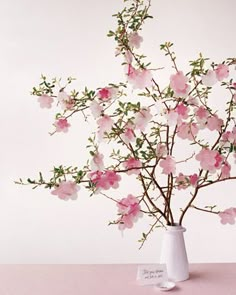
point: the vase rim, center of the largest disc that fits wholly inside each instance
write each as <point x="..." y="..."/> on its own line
<point x="175" y="228"/>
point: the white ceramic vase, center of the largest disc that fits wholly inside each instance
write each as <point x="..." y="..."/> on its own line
<point x="174" y="255"/>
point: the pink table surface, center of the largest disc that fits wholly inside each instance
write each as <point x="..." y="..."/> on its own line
<point x="210" y="279"/>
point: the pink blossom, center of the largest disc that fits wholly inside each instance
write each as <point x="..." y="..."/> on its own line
<point x="225" y="171"/>
<point x="45" y="101"/>
<point x="133" y="165"/>
<point x="187" y="131"/>
<point x="66" y="101"/>
<point x="232" y="136"/>
<point x="222" y="72"/>
<point x="214" y="123"/>
<point x="66" y="190"/>
<point x="219" y="159"/>
<point x="178" y="83"/>
<point x="128" y="57"/>
<point x="201" y="113"/>
<point x="105" y="180"/>
<point x="175" y="116"/>
<point x="182" y="111"/>
<point x="161" y="150"/>
<point x="225" y="136"/>
<point x="228" y="216"/>
<point x="192" y="101"/>
<point x="209" y="79"/>
<point x="168" y="165"/>
<point x="112" y="178"/>
<point x="142" y="118"/>
<point x="140" y="78"/>
<point x="234" y="98"/>
<point x="172" y="118"/>
<point x="135" y="39"/>
<point x="97" y="162"/>
<point x="181" y="181"/>
<point x="105" y="124"/>
<point x="106" y="93"/>
<point x="62" y="125"/>
<point x="96" y="109"/>
<point x="95" y="177"/>
<point x="209" y="160"/>
<point x="130" y="210"/>
<point x="229" y="136"/>
<point x="193" y="179"/>
<point x="128" y="136"/>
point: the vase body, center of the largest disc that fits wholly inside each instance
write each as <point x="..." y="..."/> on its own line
<point x="174" y="255"/>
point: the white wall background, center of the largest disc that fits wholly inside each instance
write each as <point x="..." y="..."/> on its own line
<point x="68" y="38"/>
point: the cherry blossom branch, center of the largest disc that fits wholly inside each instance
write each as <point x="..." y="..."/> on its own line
<point x="171" y="54"/>
<point x="145" y="236"/>
<point x="216" y="181"/>
<point x="188" y="205"/>
<point x="205" y="210"/>
<point x="187" y="159"/>
<point x="149" y="198"/>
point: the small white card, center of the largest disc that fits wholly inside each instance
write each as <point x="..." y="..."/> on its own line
<point x="151" y="274"/>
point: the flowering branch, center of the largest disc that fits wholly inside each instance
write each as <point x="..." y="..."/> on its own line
<point x="144" y="135"/>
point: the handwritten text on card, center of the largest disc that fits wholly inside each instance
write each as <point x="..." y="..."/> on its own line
<point x="151" y="274"/>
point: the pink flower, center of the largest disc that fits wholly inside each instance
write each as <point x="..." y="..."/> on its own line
<point x="225" y="171"/>
<point x="214" y="123"/>
<point x="181" y="181"/>
<point x="106" y="93"/>
<point x="95" y="177"/>
<point x="112" y="178"/>
<point x="130" y="210"/>
<point x="142" y="118"/>
<point x="209" y="79"/>
<point x="45" y="101"/>
<point x="201" y="113"/>
<point x="234" y="98"/>
<point x="105" y="124"/>
<point x="234" y="85"/>
<point x="140" y="78"/>
<point x="229" y="136"/>
<point x="209" y="160"/>
<point x="172" y="118"/>
<point x="193" y="179"/>
<point x="105" y="180"/>
<point x="128" y="57"/>
<point x="97" y="162"/>
<point x="192" y="101"/>
<point x="66" y="190"/>
<point x="62" y="125"/>
<point x="161" y="150"/>
<point x="133" y="165"/>
<point x="228" y="216"/>
<point x="222" y="72"/>
<point x="187" y="131"/>
<point x="96" y="109"/>
<point x="178" y="83"/>
<point x="168" y="165"/>
<point x="182" y="111"/>
<point x="219" y="159"/>
<point x="135" y="40"/>
<point x="65" y="100"/>
<point x="128" y="136"/>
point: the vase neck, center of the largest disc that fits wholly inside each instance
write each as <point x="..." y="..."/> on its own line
<point x="175" y="228"/>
